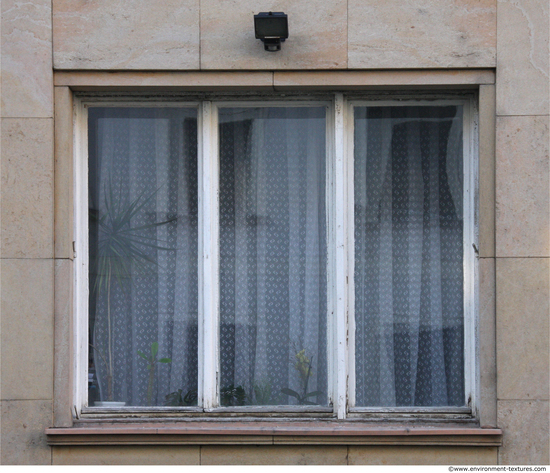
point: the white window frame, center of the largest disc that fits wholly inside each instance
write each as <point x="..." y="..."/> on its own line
<point x="340" y="257"/>
<point x="470" y="262"/>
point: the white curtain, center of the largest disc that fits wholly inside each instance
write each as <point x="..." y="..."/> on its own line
<point x="408" y="256"/>
<point x="145" y="157"/>
<point x="273" y="254"/>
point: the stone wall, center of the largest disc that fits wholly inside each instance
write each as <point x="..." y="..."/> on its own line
<point x="27" y="213"/>
<point x="43" y="36"/>
<point x="522" y="229"/>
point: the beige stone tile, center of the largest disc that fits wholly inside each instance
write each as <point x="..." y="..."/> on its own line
<point x="273" y="455"/>
<point x="115" y="34"/>
<point x="126" y="455"/>
<point x="421" y="455"/>
<point x="23" y="439"/>
<point x="487" y="342"/>
<point x="26" y="59"/>
<point x="367" y="79"/>
<point x="317" y="35"/>
<point x="522" y="327"/>
<point x="27" y="329"/>
<point x="27" y="188"/>
<point x="160" y="81"/>
<point x="522" y="61"/>
<point x="525" y="438"/>
<point x="487" y="170"/>
<point x="447" y="33"/>
<point x="522" y="197"/>
<point x="63" y="352"/>
<point x="64" y="173"/>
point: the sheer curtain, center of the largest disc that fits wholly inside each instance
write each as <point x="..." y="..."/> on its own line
<point x="273" y="255"/>
<point x="409" y="256"/>
<point x="143" y="253"/>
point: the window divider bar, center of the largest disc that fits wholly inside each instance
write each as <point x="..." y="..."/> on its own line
<point x="341" y="278"/>
<point x="470" y="235"/>
<point x="349" y="167"/>
<point x="208" y="170"/>
<point x="81" y="271"/>
<point x="81" y="296"/>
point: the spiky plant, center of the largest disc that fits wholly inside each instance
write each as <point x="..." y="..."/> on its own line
<point x="121" y="250"/>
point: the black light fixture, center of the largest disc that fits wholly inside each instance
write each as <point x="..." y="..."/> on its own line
<point x="272" y="28"/>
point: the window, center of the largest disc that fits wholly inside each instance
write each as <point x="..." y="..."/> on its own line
<point x="285" y="256"/>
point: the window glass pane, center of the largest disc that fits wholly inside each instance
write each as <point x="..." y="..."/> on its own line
<point x="409" y="256"/>
<point x="273" y="256"/>
<point x="143" y="255"/>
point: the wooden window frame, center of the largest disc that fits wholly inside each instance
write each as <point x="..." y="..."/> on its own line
<point x="340" y="295"/>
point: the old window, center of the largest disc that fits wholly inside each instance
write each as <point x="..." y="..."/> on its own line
<point x="283" y="256"/>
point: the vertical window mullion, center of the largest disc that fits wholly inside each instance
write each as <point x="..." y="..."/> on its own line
<point x="470" y="262"/>
<point x="350" y="251"/>
<point x="340" y="302"/>
<point x="208" y="167"/>
<point x="331" y="262"/>
<point x="81" y="293"/>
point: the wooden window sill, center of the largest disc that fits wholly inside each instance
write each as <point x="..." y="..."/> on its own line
<point x="272" y="433"/>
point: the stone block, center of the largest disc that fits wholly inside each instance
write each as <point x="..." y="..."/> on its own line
<point x="63" y="346"/>
<point x="317" y="35"/>
<point x="487" y="342"/>
<point x="22" y="433"/>
<point x="395" y="34"/>
<point x="27" y="188"/>
<point x="64" y="173"/>
<point x="27" y="329"/>
<point x="523" y="56"/>
<point x="166" y="81"/>
<point x="422" y="455"/>
<point x="26" y="42"/>
<point x="126" y="455"/>
<point x="522" y="328"/>
<point x="525" y="438"/>
<point x="115" y="34"/>
<point x="487" y="169"/>
<point x="357" y="80"/>
<point x="274" y="455"/>
<point x="522" y="193"/>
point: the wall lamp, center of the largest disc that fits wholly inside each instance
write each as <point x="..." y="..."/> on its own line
<point x="272" y="28"/>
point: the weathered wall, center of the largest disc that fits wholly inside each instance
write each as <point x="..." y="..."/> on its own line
<point x="199" y="35"/>
<point x="27" y="230"/>
<point x="522" y="229"/>
<point x="275" y="455"/>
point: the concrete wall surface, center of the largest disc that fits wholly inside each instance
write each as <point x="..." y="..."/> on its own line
<point x="45" y="39"/>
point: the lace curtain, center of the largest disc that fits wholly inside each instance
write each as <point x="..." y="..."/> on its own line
<point x="273" y="351"/>
<point x="273" y="255"/>
<point x="409" y="256"/>
<point x="143" y="253"/>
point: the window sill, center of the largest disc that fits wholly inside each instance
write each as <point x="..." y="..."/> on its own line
<point x="271" y="433"/>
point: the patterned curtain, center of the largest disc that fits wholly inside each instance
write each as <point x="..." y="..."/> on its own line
<point x="143" y="254"/>
<point x="409" y="256"/>
<point x="273" y="256"/>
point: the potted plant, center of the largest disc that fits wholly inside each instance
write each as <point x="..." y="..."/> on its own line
<point x="304" y="367"/>
<point x="151" y="365"/>
<point x="121" y="250"/>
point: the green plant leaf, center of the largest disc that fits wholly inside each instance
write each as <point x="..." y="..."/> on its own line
<point x="165" y="360"/>
<point x="290" y="392"/>
<point x="154" y="348"/>
<point x="140" y="353"/>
